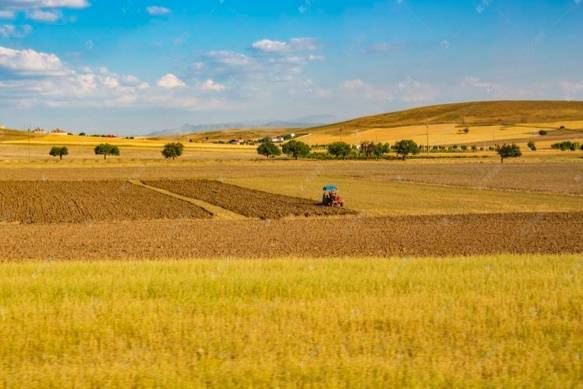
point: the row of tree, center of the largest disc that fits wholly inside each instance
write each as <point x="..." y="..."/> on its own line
<point x="170" y="150"/>
<point x="339" y="150"/>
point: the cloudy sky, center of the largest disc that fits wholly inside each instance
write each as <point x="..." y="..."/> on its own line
<point x="133" y="66"/>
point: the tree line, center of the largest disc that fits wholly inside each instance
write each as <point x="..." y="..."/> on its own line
<point x="170" y="150"/>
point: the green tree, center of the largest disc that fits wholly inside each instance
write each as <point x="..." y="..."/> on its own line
<point x="531" y="145"/>
<point x="268" y="149"/>
<point x="106" y="149"/>
<point x="172" y="150"/>
<point x="381" y="149"/>
<point x="296" y="149"/>
<point x="57" y="151"/>
<point x="339" y="149"/>
<point x="406" y="147"/>
<point x="509" y="151"/>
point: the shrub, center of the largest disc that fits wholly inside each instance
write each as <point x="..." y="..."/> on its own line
<point x="57" y="151"/>
<point x="565" y="146"/>
<point x="474" y="148"/>
<point x="531" y="145"/>
<point x="268" y="149"/>
<point x="339" y="149"/>
<point x="466" y="130"/>
<point x="542" y="132"/>
<point x="296" y="149"/>
<point x="509" y="151"/>
<point x="464" y="147"/>
<point x="106" y="149"/>
<point x="406" y="147"/>
<point x="172" y="150"/>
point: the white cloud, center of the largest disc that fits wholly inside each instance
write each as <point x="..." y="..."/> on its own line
<point x="294" y="44"/>
<point x="157" y="10"/>
<point x="571" y="88"/>
<point x="229" y="58"/>
<point x="29" y="62"/>
<point x="270" y="46"/>
<point x="7" y="14"/>
<point x="212" y="86"/>
<point x="43" y="16"/>
<point x="39" y="10"/>
<point x="31" y="4"/>
<point x="11" y="31"/>
<point x="170" y="81"/>
<point x="415" y="91"/>
<point x="475" y="82"/>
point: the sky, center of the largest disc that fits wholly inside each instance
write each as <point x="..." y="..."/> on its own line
<point x="132" y="66"/>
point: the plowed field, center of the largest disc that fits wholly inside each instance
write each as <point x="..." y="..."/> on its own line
<point x="316" y="237"/>
<point x="248" y="202"/>
<point x="77" y="202"/>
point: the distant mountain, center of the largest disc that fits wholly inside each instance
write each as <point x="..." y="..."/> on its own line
<point x="302" y="122"/>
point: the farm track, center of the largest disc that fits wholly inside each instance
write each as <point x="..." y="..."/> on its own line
<point x="310" y="237"/>
<point x="51" y="202"/>
<point x="247" y="202"/>
<point x="217" y="212"/>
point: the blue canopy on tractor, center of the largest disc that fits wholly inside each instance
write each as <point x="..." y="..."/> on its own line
<point x="328" y="188"/>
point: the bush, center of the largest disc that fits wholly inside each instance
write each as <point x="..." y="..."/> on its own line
<point x="268" y="149"/>
<point x="296" y="149"/>
<point x="565" y="146"/>
<point x="57" y="151"/>
<point x="509" y="151"/>
<point x="466" y="130"/>
<point x="339" y="149"/>
<point x="172" y="150"/>
<point x="464" y="147"/>
<point x="406" y="147"/>
<point x="542" y="132"/>
<point x="106" y="149"/>
<point x="474" y="148"/>
<point x="531" y="145"/>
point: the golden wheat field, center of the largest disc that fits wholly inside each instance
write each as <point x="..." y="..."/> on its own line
<point x="496" y="321"/>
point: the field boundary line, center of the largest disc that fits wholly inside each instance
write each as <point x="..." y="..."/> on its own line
<point x="488" y="188"/>
<point x="217" y="212"/>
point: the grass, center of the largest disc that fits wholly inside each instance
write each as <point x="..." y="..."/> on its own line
<point x="482" y="321"/>
<point x="375" y="196"/>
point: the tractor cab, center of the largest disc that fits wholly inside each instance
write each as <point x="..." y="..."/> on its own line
<point x="330" y="197"/>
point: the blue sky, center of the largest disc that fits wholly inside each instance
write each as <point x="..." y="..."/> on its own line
<point x="136" y="66"/>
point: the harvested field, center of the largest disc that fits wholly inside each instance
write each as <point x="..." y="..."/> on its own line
<point x="78" y="202"/>
<point x="553" y="177"/>
<point x="247" y="202"/>
<point x="321" y="237"/>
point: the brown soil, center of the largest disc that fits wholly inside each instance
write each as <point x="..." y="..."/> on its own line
<point x="79" y="202"/>
<point x="319" y="237"/>
<point x="247" y="202"/>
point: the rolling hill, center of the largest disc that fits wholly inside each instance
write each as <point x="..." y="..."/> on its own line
<point x="487" y="122"/>
<point x="484" y="113"/>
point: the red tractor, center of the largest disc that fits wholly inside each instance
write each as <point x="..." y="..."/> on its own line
<point x="331" y="198"/>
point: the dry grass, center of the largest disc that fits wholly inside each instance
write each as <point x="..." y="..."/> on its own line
<point x="473" y="322"/>
<point x="374" y="197"/>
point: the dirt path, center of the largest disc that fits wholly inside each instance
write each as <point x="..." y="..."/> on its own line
<point x="217" y="212"/>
